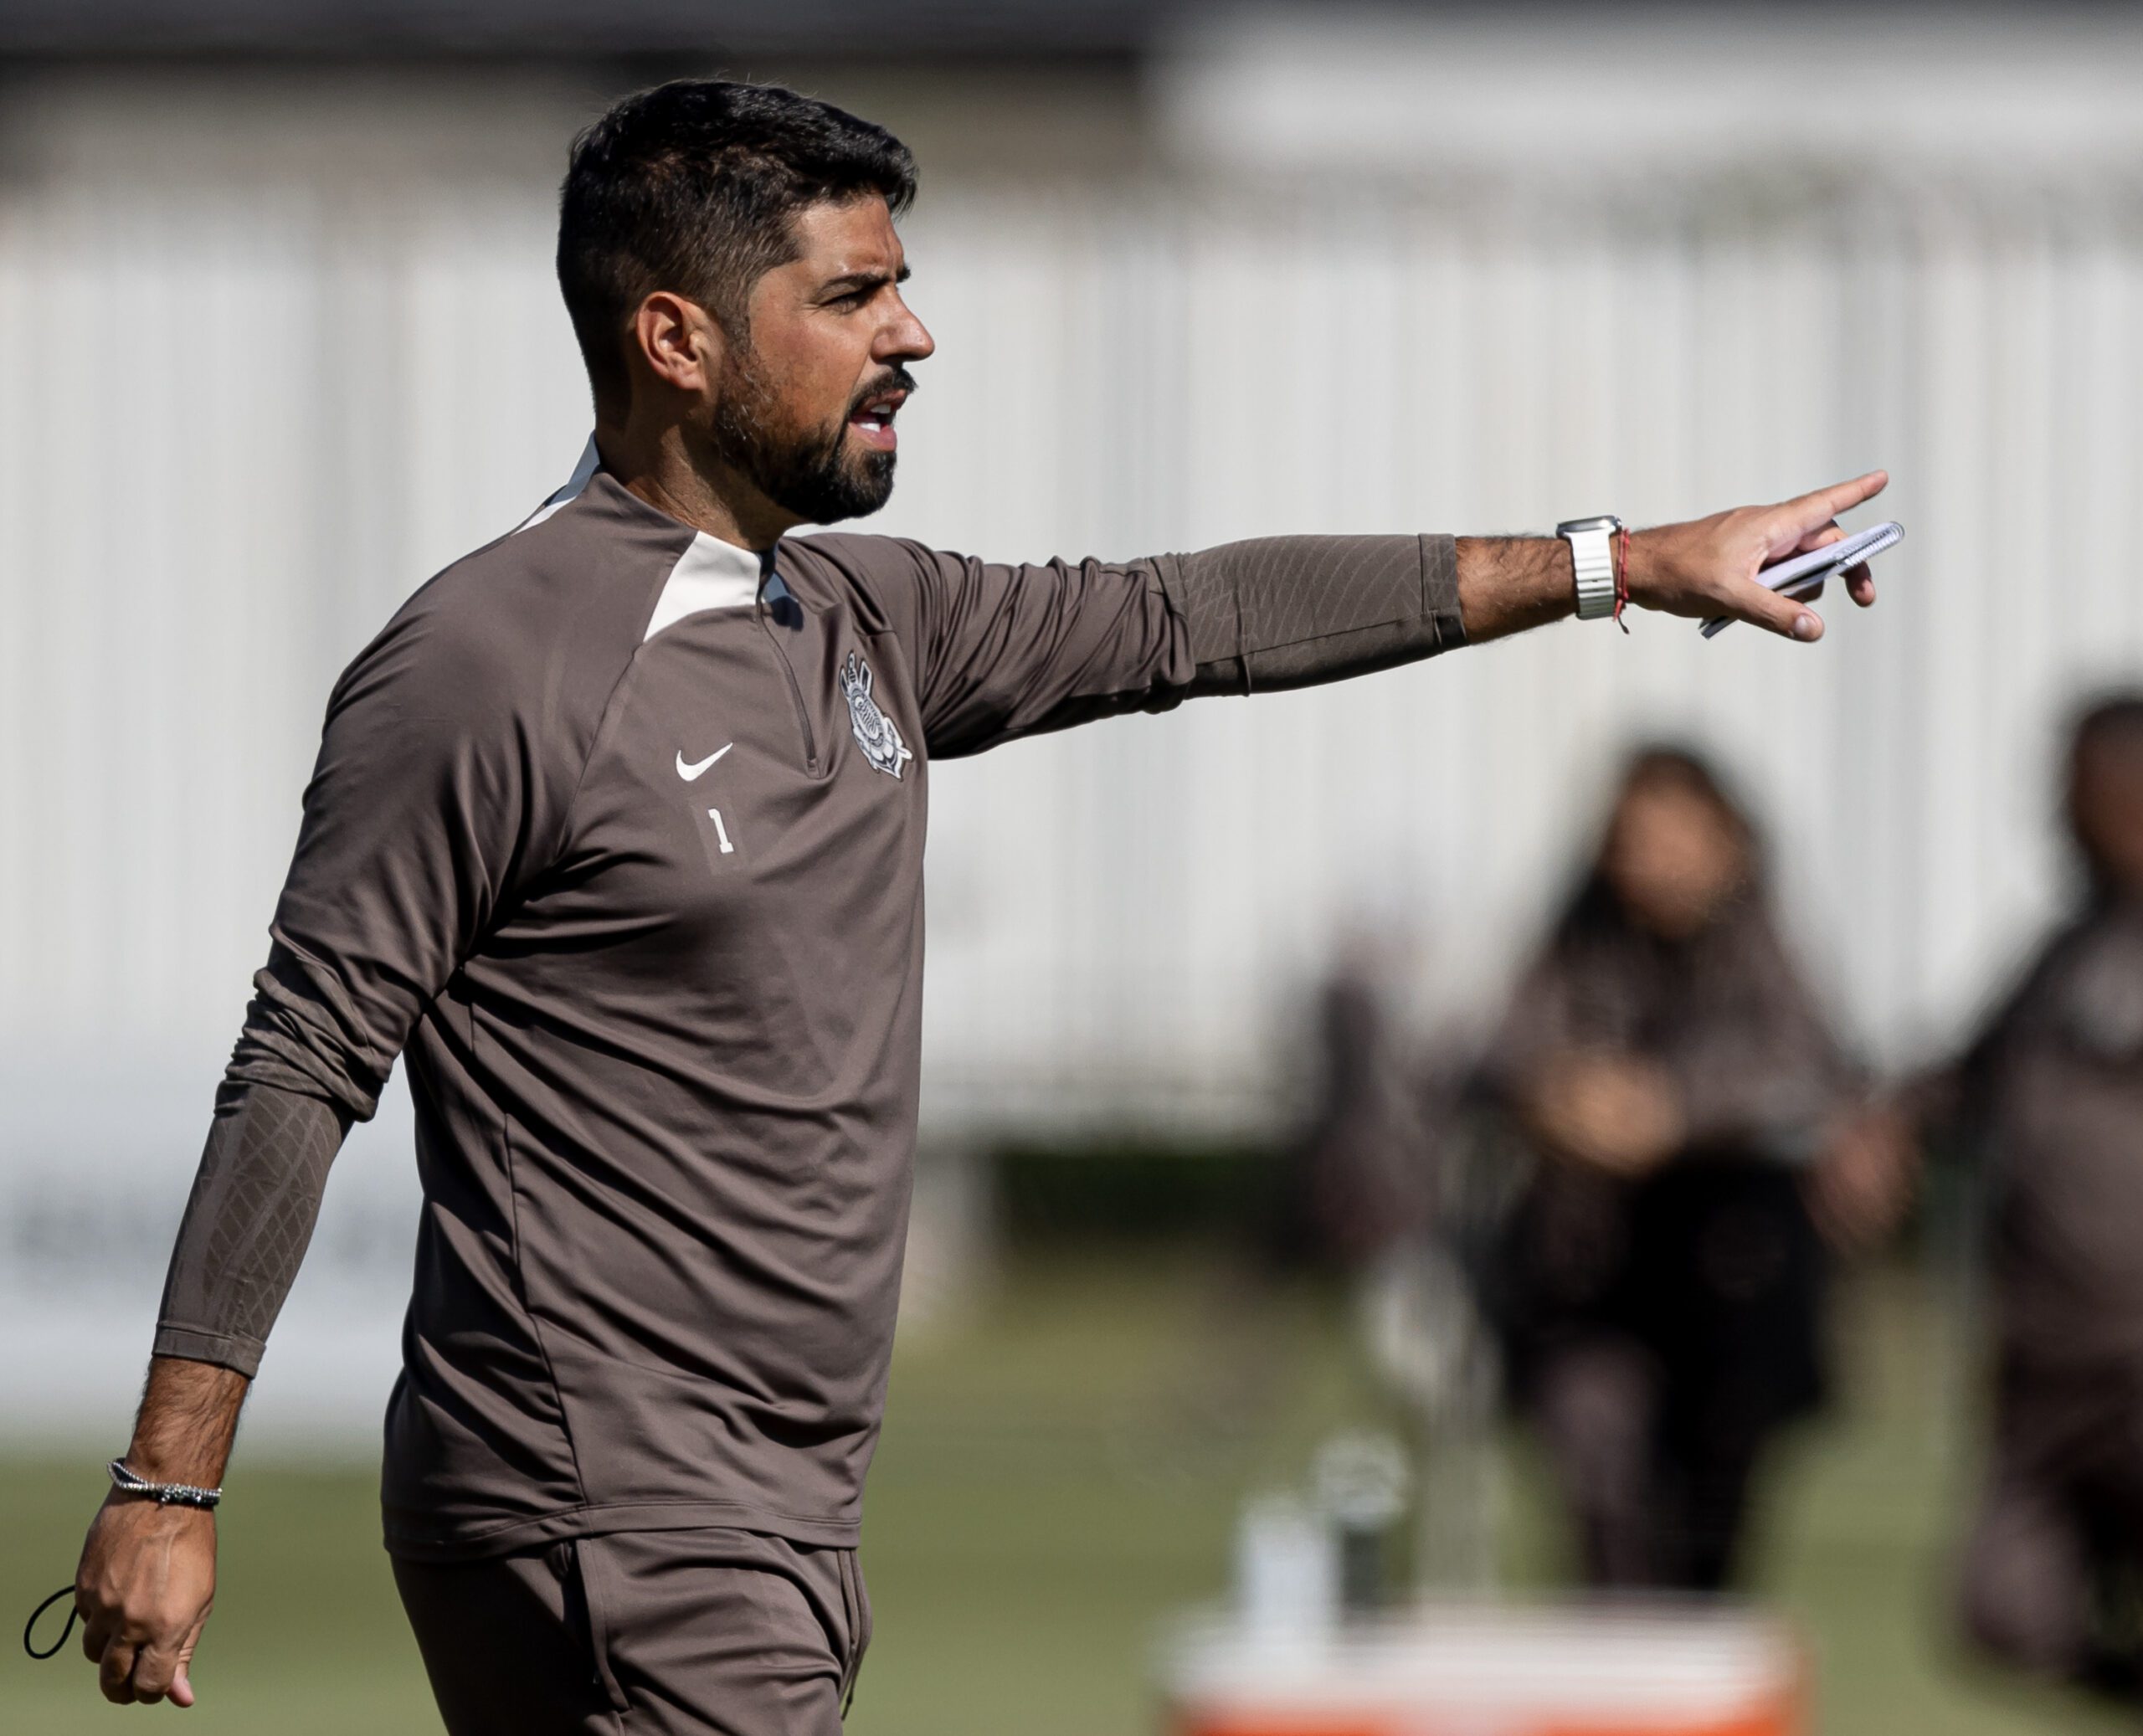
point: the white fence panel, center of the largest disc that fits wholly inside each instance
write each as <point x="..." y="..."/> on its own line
<point x="253" y="389"/>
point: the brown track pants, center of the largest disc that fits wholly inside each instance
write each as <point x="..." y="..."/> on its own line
<point x="657" y="1633"/>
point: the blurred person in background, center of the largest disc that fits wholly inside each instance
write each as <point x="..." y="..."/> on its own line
<point x="660" y="1000"/>
<point x="2050" y="1093"/>
<point x="1359" y="1177"/>
<point x="1700" y="1139"/>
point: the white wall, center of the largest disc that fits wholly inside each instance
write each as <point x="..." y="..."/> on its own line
<point x="271" y="353"/>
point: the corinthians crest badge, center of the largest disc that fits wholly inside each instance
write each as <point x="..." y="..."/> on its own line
<point x="874" y="733"/>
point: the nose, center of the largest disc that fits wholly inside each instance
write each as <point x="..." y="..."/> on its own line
<point x="903" y="338"/>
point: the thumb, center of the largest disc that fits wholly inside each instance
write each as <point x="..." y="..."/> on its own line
<point x="182" y="1682"/>
<point x="1747" y="600"/>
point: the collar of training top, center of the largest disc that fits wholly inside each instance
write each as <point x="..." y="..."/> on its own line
<point x="709" y="574"/>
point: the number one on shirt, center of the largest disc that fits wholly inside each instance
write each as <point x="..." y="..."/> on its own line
<point x="721" y="831"/>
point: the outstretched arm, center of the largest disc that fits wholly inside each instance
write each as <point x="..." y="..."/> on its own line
<point x="1001" y="652"/>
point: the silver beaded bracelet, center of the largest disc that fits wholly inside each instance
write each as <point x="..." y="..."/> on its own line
<point x="163" y="1494"/>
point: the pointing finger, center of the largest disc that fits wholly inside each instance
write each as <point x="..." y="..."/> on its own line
<point x="1809" y="511"/>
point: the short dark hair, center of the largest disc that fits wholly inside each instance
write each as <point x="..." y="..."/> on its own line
<point x="693" y="186"/>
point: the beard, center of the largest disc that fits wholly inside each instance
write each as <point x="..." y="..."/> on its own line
<point x="810" y="472"/>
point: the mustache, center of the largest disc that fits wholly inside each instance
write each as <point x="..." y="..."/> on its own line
<point x="894" y="379"/>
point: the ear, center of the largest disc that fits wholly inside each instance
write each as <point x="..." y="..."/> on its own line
<point x="677" y="342"/>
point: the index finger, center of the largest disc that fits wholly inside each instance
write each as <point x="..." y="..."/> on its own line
<point x="116" y="1670"/>
<point x="1807" y="511"/>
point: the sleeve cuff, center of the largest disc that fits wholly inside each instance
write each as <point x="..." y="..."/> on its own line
<point x="1440" y="589"/>
<point x="226" y="1350"/>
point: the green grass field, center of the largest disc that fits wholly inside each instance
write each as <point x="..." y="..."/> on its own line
<point x="1061" y="1471"/>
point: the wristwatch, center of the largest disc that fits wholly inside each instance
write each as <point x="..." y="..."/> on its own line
<point x="1592" y="553"/>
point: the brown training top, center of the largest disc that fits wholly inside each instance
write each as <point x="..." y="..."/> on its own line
<point x="617" y="831"/>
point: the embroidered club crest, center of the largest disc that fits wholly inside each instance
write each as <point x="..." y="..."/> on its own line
<point x="875" y="731"/>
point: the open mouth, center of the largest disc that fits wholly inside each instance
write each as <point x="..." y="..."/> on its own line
<point x="873" y="419"/>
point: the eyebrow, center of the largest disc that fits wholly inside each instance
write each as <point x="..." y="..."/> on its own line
<point x="865" y="280"/>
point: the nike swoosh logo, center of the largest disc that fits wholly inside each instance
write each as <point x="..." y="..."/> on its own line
<point x="689" y="772"/>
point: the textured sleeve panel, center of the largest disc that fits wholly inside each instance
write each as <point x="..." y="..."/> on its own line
<point x="1296" y="611"/>
<point x="255" y="1198"/>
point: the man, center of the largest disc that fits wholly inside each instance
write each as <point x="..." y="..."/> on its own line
<point x="617" y="829"/>
<point x="2052" y="1090"/>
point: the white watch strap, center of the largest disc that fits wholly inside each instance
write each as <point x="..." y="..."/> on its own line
<point x="1592" y="553"/>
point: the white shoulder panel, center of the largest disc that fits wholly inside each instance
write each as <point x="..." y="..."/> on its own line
<point x="710" y="574"/>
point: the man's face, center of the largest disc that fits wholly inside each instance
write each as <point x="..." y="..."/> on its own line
<point x="806" y="405"/>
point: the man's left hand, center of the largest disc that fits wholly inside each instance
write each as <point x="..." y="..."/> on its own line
<point x="1707" y="567"/>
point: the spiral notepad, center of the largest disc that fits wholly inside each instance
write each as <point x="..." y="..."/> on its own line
<point x="1805" y="574"/>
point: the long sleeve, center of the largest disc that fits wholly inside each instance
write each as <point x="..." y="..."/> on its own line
<point x="247" y="1223"/>
<point x="1004" y="651"/>
<point x="425" y="810"/>
<point x="417" y="819"/>
<point x="1284" y="612"/>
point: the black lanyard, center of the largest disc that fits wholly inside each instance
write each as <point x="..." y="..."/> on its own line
<point x="29" y="1627"/>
